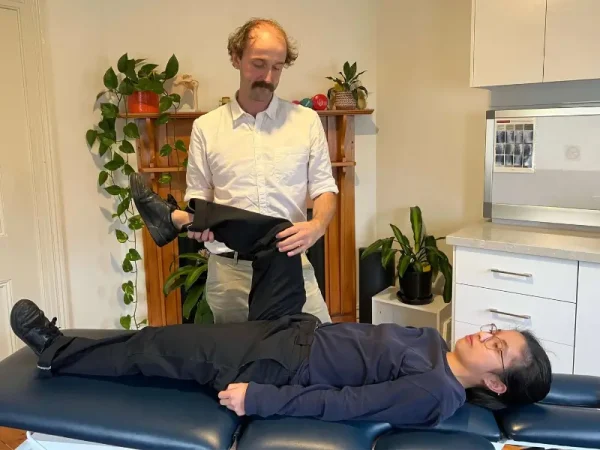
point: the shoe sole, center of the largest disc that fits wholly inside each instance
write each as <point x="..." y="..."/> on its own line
<point x="137" y="188"/>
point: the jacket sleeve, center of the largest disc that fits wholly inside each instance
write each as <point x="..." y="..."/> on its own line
<point x="398" y="402"/>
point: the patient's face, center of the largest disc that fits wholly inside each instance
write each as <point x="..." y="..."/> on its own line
<point x="484" y="352"/>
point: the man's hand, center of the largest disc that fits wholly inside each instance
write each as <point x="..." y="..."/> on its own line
<point x="202" y="236"/>
<point x="233" y="397"/>
<point x="299" y="237"/>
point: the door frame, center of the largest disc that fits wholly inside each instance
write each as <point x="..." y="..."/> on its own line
<point x="46" y="177"/>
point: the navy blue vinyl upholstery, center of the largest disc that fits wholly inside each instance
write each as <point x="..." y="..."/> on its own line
<point x="432" y="440"/>
<point x="154" y="413"/>
<point x="298" y="433"/>
<point x="136" y="413"/>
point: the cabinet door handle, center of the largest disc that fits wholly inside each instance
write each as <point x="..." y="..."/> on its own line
<point x="516" y="274"/>
<point x="520" y="316"/>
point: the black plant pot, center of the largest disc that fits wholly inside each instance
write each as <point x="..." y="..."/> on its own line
<point x="415" y="288"/>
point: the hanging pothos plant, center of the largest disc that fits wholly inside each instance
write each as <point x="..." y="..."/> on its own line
<point x="114" y="149"/>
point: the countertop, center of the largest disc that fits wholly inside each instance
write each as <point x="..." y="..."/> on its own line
<point x="529" y="240"/>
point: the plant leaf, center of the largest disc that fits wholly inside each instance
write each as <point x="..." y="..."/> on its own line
<point x="193" y="256"/>
<point x="403" y="264"/>
<point x="165" y="103"/>
<point x="90" y="137"/>
<point x="146" y="69"/>
<point x="416" y="222"/>
<point x="131" y="131"/>
<point x="123" y="206"/>
<point x="121" y="236"/>
<point x="116" y="163"/>
<point x="165" y="150"/>
<point x="162" y="119"/>
<point x="125" y="321"/>
<point x="172" y="67"/>
<point x="176" y="98"/>
<point x="122" y="63"/>
<point x="109" y="110"/>
<point x="135" y="223"/>
<point x="387" y="255"/>
<point x="127" y="266"/>
<point x="110" y="79"/>
<point x="113" y="189"/>
<point x="372" y="248"/>
<point x="134" y="255"/>
<point x="191" y="299"/>
<point x="127" y="288"/>
<point x="128" y="170"/>
<point x="128" y="299"/>
<point x="179" y="145"/>
<point x="126" y="147"/>
<point x="174" y="276"/>
<point x="126" y="87"/>
<point x="102" y="177"/>
<point x="402" y="240"/>
<point x="193" y="277"/>
<point x="165" y="178"/>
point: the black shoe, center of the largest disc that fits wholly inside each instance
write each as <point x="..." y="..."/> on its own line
<point x="155" y="211"/>
<point x="31" y="325"/>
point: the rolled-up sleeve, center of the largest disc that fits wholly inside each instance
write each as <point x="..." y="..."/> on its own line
<point x="320" y="176"/>
<point x="198" y="174"/>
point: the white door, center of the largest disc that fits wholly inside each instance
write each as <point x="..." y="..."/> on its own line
<point x="572" y="40"/>
<point x="30" y="246"/>
<point x="507" y="42"/>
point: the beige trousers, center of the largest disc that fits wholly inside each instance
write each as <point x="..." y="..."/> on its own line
<point x="228" y="286"/>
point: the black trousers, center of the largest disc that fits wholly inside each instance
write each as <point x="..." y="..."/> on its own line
<point x="269" y="348"/>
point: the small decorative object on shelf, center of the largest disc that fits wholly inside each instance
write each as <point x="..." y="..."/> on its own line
<point x="418" y="265"/>
<point x="185" y="82"/>
<point x="319" y="102"/>
<point x="224" y="101"/>
<point x="348" y="91"/>
<point x="306" y="102"/>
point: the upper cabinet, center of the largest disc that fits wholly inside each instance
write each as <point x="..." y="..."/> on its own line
<point x="534" y="41"/>
<point x="572" y="40"/>
<point x="507" y="42"/>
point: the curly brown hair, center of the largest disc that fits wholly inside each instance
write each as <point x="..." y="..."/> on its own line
<point x="239" y="39"/>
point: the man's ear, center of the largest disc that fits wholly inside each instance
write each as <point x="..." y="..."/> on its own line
<point x="493" y="383"/>
<point x="235" y="61"/>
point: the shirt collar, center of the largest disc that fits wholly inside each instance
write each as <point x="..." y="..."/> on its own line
<point x="237" y="111"/>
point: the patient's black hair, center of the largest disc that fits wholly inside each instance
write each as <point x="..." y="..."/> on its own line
<point x="527" y="381"/>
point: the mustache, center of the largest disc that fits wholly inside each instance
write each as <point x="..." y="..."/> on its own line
<point x="263" y="84"/>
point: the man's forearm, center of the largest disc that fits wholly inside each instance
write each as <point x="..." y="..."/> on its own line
<point x="324" y="209"/>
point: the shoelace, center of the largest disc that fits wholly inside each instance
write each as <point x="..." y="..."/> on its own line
<point x="52" y="325"/>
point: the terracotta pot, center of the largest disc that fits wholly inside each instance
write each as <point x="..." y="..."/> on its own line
<point x="143" y="102"/>
<point x="344" y="100"/>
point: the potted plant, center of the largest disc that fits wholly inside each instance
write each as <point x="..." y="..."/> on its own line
<point x="348" y="91"/>
<point x="143" y="86"/>
<point x="190" y="277"/>
<point x="418" y="264"/>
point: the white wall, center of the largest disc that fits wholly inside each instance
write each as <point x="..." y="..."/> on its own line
<point x="85" y="37"/>
<point x="430" y="143"/>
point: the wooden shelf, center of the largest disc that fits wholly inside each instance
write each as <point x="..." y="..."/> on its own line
<point x="196" y="114"/>
<point x="343" y="164"/>
<point x="161" y="169"/>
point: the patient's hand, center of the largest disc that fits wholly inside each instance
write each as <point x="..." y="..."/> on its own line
<point x="233" y="397"/>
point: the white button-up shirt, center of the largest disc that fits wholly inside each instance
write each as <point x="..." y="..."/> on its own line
<point x="266" y="164"/>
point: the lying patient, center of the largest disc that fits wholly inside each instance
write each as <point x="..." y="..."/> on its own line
<point x="285" y="362"/>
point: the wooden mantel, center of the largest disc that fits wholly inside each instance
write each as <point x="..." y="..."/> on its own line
<point x="340" y="247"/>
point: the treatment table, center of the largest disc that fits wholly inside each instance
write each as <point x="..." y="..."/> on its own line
<point x="68" y="412"/>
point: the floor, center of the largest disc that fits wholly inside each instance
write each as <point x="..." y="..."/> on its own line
<point x="10" y="439"/>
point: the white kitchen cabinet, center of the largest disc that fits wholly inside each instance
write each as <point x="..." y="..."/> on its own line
<point x="572" y="40"/>
<point x="507" y="42"/>
<point x="587" y="352"/>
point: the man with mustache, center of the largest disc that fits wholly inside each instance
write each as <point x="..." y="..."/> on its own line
<point x="262" y="154"/>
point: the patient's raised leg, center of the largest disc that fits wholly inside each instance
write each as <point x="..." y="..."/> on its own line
<point x="277" y="281"/>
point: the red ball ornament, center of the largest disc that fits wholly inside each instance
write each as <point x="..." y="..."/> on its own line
<point x="320" y="102"/>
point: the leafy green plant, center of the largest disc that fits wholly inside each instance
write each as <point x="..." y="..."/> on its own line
<point x="348" y="81"/>
<point x="189" y="277"/>
<point x="421" y="256"/>
<point x="115" y="148"/>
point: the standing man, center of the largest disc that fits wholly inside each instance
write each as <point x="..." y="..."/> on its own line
<point x="262" y="154"/>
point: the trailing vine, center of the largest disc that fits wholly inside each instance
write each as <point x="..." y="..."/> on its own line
<point x="115" y="148"/>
